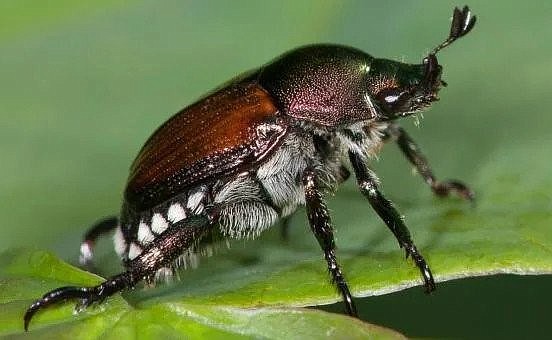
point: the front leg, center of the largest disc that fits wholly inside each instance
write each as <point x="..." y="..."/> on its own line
<point x="416" y="158"/>
<point x="368" y="184"/>
<point x="321" y="226"/>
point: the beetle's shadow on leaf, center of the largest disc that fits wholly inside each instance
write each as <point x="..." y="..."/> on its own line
<point x="226" y="270"/>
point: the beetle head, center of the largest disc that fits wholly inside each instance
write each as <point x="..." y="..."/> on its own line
<point x="400" y="89"/>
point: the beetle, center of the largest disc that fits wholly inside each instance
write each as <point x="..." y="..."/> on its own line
<point x="248" y="154"/>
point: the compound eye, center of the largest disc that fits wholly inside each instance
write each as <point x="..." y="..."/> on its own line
<point x="391" y="99"/>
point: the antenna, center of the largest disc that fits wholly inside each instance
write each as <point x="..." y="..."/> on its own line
<point x="462" y="23"/>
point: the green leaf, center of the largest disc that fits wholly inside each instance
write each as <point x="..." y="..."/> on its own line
<point x="80" y="95"/>
<point x="245" y="294"/>
<point x="26" y="274"/>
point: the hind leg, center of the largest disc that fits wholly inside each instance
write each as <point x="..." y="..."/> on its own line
<point x="160" y="252"/>
<point x="100" y="228"/>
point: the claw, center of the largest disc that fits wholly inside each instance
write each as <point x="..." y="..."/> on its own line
<point x="86" y="295"/>
<point x="56" y="296"/>
<point x="429" y="282"/>
<point x="446" y="187"/>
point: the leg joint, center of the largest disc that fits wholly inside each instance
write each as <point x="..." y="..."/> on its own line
<point x="369" y="188"/>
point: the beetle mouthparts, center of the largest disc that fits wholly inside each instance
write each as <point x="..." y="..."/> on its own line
<point x="427" y="100"/>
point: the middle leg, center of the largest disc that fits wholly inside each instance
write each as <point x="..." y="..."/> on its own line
<point x="321" y="225"/>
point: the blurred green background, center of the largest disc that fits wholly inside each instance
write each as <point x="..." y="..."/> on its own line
<point x="83" y="84"/>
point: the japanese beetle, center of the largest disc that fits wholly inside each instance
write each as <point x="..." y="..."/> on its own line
<point x="240" y="159"/>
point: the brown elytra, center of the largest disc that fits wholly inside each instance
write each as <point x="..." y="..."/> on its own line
<point x="212" y="137"/>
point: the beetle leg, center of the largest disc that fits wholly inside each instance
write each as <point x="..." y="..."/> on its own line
<point x="100" y="228"/>
<point x="368" y="184"/>
<point x="321" y="225"/>
<point x="163" y="250"/>
<point x="416" y="158"/>
<point x="344" y="174"/>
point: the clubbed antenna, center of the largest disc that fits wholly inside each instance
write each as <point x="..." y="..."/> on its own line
<point x="462" y="23"/>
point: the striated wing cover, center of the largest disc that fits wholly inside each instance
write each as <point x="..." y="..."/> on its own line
<point x="227" y="132"/>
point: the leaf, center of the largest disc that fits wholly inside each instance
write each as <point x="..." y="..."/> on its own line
<point x="82" y="95"/>
<point x="508" y="231"/>
<point x="25" y="274"/>
<point x="245" y="294"/>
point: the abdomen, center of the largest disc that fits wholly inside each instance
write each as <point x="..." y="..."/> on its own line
<point x="246" y="204"/>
